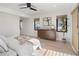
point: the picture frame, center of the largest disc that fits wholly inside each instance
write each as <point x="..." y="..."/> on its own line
<point x="61" y="23"/>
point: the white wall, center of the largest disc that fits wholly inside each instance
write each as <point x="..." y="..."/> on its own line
<point x="9" y="24"/>
<point x="28" y="26"/>
<point x="69" y="32"/>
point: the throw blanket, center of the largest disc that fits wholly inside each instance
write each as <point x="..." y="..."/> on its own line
<point x="22" y="39"/>
<point x="35" y="41"/>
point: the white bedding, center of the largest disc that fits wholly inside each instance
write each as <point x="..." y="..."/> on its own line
<point x="35" y="41"/>
<point x="24" y="49"/>
<point x="15" y="48"/>
<point x="21" y="50"/>
<point x="9" y="53"/>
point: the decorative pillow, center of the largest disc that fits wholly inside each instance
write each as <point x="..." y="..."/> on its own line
<point x="3" y="45"/>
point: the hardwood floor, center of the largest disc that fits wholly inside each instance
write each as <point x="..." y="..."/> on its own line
<point x="57" y="46"/>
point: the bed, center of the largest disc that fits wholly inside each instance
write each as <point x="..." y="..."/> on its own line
<point x="22" y="45"/>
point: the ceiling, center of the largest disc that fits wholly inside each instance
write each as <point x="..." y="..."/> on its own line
<point x="42" y="7"/>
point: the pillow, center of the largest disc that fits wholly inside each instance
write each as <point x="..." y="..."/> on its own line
<point x="3" y="46"/>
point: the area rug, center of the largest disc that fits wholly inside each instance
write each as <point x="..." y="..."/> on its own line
<point x="46" y="52"/>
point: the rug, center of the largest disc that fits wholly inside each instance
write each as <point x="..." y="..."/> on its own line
<point x="46" y="52"/>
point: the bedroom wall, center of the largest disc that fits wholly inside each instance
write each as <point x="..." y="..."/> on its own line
<point x="9" y="24"/>
<point x="28" y="26"/>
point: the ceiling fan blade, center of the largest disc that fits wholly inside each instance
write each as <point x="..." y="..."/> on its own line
<point x="23" y="7"/>
<point x="33" y="9"/>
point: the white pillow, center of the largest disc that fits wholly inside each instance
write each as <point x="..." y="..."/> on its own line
<point x="3" y="45"/>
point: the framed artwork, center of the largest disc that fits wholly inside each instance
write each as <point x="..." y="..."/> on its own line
<point x="61" y="23"/>
<point x="47" y="21"/>
<point x="36" y="23"/>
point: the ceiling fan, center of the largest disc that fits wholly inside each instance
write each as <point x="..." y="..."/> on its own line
<point x="27" y="5"/>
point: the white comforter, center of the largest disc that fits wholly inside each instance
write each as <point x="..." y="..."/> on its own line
<point x="35" y="41"/>
<point x="9" y="53"/>
<point x="21" y="50"/>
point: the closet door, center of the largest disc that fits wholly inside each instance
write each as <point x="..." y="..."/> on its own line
<point x="75" y="30"/>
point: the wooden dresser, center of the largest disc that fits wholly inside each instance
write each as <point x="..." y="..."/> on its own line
<point x="49" y="34"/>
